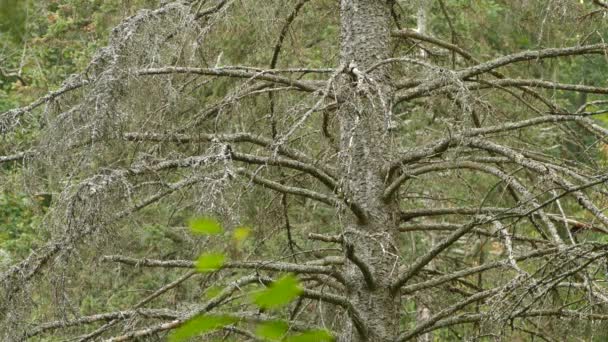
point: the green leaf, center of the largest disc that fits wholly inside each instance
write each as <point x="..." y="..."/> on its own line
<point x="279" y="293"/>
<point x="241" y="233"/>
<point x="200" y="325"/>
<point x="210" y="262"/>
<point x="272" y="331"/>
<point x="213" y="291"/>
<point x="312" y="336"/>
<point x="205" y="226"/>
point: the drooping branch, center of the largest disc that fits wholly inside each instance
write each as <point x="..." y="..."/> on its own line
<point x="363" y="267"/>
<point x="327" y="180"/>
<point x="10" y="118"/>
<point x="538" y="167"/>
<point x="31" y="265"/>
<point x="354" y="314"/>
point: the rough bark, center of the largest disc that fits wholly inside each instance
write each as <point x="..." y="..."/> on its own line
<point x="364" y="127"/>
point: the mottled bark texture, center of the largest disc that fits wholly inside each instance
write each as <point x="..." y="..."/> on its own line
<point x="364" y="116"/>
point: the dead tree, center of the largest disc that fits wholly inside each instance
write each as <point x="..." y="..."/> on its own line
<point x="466" y="211"/>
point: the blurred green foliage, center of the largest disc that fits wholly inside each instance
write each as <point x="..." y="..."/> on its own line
<point x="18" y="221"/>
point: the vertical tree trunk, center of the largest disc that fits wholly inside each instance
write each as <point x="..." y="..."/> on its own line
<point x="364" y="141"/>
<point x="422" y="13"/>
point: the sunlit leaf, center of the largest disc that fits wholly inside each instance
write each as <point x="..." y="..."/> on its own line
<point x="200" y="325"/>
<point x="602" y="118"/>
<point x="272" y="331"/>
<point x="312" y="336"/>
<point x="210" y="262"/>
<point x="279" y="293"/>
<point x="241" y="233"/>
<point x="205" y="226"/>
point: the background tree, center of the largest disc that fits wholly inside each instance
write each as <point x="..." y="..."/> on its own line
<point x="445" y="182"/>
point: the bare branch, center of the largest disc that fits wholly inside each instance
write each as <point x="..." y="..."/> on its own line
<point x="506" y="82"/>
<point x="507" y="179"/>
<point x="10" y="118"/>
<point x="14" y="157"/>
<point x="122" y="315"/>
<point x="248" y="265"/>
<point x="284" y="30"/>
<point x="312" y="170"/>
<point x="423" y="260"/>
<point x="434" y="148"/>
<point x="416" y="35"/>
<point x="425" y="227"/>
<point x="477" y="317"/>
<point x="139" y="304"/>
<point x="360" y="324"/>
<point x="226" y="138"/>
<point x="208" y="306"/>
<point x="447" y="312"/>
<point x="429" y="212"/>
<point x="288" y="189"/>
<point x="326" y="238"/>
<point x="538" y="167"/>
<point x="499" y="62"/>
<point x="477" y="269"/>
<point x="363" y="267"/>
<point x="265" y="75"/>
<point x="601" y="3"/>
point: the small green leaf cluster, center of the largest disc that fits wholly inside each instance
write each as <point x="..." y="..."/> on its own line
<point x="276" y="295"/>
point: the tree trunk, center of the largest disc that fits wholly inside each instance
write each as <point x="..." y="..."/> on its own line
<point x="364" y="141"/>
<point x="422" y="13"/>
